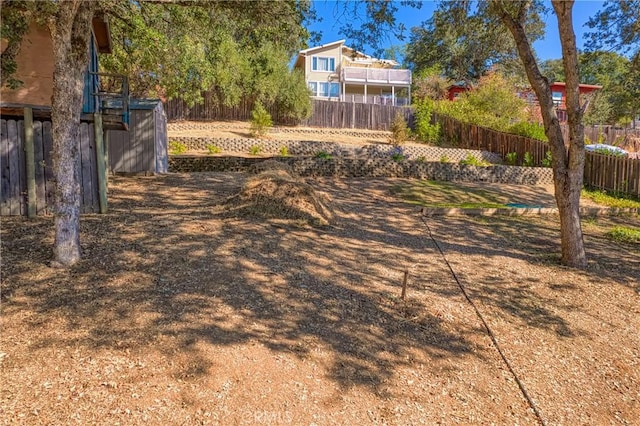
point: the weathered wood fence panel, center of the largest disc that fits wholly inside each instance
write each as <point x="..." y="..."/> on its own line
<point x="606" y="172"/>
<point x="13" y="186"/>
<point x="611" y="173"/>
<point x="470" y="136"/>
<point x="624" y="138"/>
<point x="327" y="114"/>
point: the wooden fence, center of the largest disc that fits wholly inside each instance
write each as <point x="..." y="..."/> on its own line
<point x="13" y="175"/>
<point x="624" y="138"/>
<point x="326" y="114"/>
<point x="611" y="173"/>
<point x="606" y="172"/>
<point x="470" y="136"/>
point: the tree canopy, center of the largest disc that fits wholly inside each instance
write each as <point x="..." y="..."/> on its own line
<point x="235" y="49"/>
<point x="466" y="40"/>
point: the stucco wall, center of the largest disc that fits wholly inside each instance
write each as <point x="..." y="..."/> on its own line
<point x="35" y="69"/>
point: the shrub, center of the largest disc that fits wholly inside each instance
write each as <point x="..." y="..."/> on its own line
<point x="493" y="104"/>
<point x="528" y="160"/>
<point x="397" y="154"/>
<point x="445" y="159"/>
<point x="322" y="154"/>
<point x="255" y="150"/>
<point x="177" y="147"/>
<point x="547" y="162"/>
<point x="511" y="158"/>
<point x="284" y="151"/>
<point x="421" y="159"/>
<point x="399" y="131"/>
<point x="213" y="149"/>
<point x="424" y="130"/>
<point x="293" y="100"/>
<point x="471" y="160"/>
<point x="260" y="121"/>
<point x="528" y="130"/>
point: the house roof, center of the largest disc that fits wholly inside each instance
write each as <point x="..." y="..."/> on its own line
<point x="324" y="46"/>
<point x="353" y="55"/>
<point x="585" y="86"/>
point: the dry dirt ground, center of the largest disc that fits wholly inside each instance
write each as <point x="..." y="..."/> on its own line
<point x="240" y="129"/>
<point x="178" y="314"/>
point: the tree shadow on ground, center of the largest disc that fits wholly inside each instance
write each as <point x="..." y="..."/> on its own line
<point x="162" y="269"/>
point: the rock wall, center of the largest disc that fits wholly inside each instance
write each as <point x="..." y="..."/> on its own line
<point x="370" y="167"/>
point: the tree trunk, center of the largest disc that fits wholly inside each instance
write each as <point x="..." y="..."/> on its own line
<point x="572" y="241"/>
<point x="568" y="167"/>
<point x="70" y="30"/>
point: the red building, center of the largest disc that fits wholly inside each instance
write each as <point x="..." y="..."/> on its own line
<point x="457" y="88"/>
<point x="559" y="94"/>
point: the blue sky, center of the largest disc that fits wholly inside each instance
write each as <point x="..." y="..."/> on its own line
<point x="549" y="48"/>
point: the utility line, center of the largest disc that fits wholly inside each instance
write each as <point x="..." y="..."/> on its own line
<point x="489" y="332"/>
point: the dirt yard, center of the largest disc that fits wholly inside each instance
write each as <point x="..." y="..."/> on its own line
<point x="179" y="314"/>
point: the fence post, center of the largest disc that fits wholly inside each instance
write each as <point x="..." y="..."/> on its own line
<point x="100" y="162"/>
<point x="30" y="162"/>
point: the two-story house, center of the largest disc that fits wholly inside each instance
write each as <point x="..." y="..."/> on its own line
<point x="334" y="71"/>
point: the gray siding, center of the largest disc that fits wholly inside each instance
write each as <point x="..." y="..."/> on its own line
<point x="144" y="147"/>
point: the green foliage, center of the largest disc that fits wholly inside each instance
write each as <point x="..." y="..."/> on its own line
<point x="213" y="149"/>
<point x="611" y="199"/>
<point x="424" y="130"/>
<point x="177" y="147"/>
<point x="527" y="161"/>
<point x="465" y="43"/>
<point x="322" y="154"/>
<point x="260" y="121"/>
<point x="399" y="131"/>
<point x="292" y="99"/>
<point x="255" y="150"/>
<point x="528" y="130"/>
<point x="624" y="234"/>
<point x="397" y="154"/>
<point x="284" y="151"/>
<point x="605" y="151"/>
<point x="471" y="160"/>
<point x="445" y="159"/>
<point x="421" y="159"/>
<point x="493" y="104"/>
<point x="511" y="158"/>
<point x="233" y="50"/>
<point x="548" y="159"/>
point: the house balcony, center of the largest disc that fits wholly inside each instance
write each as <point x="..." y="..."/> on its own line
<point x="391" y="77"/>
<point x="375" y="99"/>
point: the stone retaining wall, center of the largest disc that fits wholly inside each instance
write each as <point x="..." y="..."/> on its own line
<point x="310" y="148"/>
<point x="370" y="167"/>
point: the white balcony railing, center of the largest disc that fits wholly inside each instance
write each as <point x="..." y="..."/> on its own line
<point x="376" y="76"/>
<point x="375" y="99"/>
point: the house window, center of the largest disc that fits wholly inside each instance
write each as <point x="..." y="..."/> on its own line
<point x="323" y="64"/>
<point x="329" y="90"/>
<point x="557" y="98"/>
<point x="313" y="86"/>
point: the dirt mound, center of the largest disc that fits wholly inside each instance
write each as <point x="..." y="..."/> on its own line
<point x="276" y="194"/>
